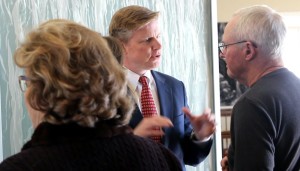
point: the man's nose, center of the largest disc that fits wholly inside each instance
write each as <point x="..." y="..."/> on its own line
<point x="156" y="44"/>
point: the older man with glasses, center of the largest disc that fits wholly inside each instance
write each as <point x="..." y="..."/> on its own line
<point x="265" y="120"/>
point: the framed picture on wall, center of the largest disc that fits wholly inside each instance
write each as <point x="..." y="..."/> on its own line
<point x="230" y="89"/>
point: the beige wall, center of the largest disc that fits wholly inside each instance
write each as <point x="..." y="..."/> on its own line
<point x="227" y="7"/>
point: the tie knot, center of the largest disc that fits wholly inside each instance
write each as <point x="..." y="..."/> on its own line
<point x="143" y="80"/>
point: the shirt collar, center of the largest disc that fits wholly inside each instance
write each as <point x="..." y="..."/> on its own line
<point x="133" y="78"/>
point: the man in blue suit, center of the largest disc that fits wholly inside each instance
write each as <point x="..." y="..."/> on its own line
<point x="186" y="135"/>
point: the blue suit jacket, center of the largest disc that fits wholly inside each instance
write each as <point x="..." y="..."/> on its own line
<point x="172" y="98"/>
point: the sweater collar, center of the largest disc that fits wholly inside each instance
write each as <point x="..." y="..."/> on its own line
<point x="48" y="134"/>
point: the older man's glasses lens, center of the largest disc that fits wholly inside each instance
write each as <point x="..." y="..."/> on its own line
<point x="223" y="46"/>
<point x="23" y="81"/>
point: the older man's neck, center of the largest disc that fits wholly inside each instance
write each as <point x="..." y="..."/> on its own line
<point x="262" y="69"/>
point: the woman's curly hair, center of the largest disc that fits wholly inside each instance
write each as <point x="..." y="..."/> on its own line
<point x="73" y="76"/>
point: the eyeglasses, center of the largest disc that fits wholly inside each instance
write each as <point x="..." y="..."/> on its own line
<point x="23" y="82"/>
<point x="223" y="46"/>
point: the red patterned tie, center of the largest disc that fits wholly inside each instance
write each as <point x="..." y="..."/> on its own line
<point x="148" y="105"/>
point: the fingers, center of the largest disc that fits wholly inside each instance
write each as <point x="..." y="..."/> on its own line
<point x="203" y="124"/>
<point x="207" y="111"/>
<point x="209" y="118"/>
<point x="225" y="169"/>
<point x="159" y="121"/>
<point x="187" y="112"/>
<point x="152" y="126"/>
<point x="224" y="163"/>
<point x="155" y="132"/>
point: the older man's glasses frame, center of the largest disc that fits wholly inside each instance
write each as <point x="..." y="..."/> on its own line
<point x="223" y="46"/>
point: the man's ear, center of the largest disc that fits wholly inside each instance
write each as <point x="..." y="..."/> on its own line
<point x="124" y="48"/>
<point x="250" y="51"/>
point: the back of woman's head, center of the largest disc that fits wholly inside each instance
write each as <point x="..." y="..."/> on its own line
<point x="73" y="76"/>
<point x="116" y="47"/>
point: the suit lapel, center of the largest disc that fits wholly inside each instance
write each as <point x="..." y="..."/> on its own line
<point x="165" y="97"/>
<point x="136" y="117"/>
<point x="164" y="94"/>
<point x="137" y="114"/>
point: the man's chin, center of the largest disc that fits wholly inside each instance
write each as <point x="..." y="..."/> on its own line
<point x="156" y="66"/>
